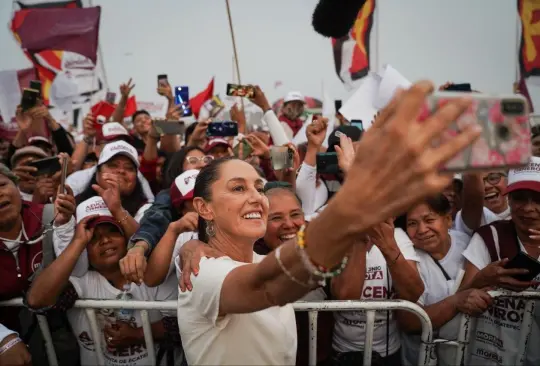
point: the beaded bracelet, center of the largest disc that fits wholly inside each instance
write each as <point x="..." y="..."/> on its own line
<point x="123" y="218"/>
<point x="316" y="269"/>
<point x="6" y="347"/>
<point x="309" y="284"/>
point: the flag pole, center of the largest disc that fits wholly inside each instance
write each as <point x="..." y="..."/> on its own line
<point x="235" y="57"/>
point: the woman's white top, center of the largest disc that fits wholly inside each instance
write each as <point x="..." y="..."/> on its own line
<point x="488" y="217"/>
<point x="436" y="288"/>
<point x="266" y="337"/>
<point x="312" y="196"/>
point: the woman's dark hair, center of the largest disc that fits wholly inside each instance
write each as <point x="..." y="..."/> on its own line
<point x="207" y="176"/>
<point x="174" y="165"/>
<point x="189" y="132"/>
<point x="130" y="203"/>
<point x="438" y="204"/>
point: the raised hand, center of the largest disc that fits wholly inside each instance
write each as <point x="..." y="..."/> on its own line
<point x="64" y="206"/>
<point x="125" y="89"/>
<point x="110" y="194"/>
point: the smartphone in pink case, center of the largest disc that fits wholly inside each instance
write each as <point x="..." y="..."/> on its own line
<point x="505" y="141"/>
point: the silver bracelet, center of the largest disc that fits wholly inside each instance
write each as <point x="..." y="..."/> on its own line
<point x="6" y="347"/>
<point x="309" y="284"/>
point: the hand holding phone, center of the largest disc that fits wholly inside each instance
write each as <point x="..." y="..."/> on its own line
<point x="47" y="166"/>
<point x="282" y="157"/>
<point x="169" y="127"/>
<point x="64" y="164"/>
<point x="163" y="81"/>
<point x="524" y="261"/>
<point x="29" y="99"/>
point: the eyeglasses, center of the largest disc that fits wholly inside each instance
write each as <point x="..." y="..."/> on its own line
<point x="204" y="159"/>
<point x="494" y="178"/>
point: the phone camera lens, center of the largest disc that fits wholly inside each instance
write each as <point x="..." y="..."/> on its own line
<point x="512" y="107"/>
<point x="503" y="132"/>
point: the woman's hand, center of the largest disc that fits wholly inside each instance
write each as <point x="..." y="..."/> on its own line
<point x="64" y="206"/>
<point x="188" y="222"/>
<point x="133" y="265"/>
<point x="165" y="90"/>
<point x="198" y="137"/>
<point x="83" y="234"/>
<point x="190" y="257"/>
<point x="259" y="148"/>
<point x="496" y="275"/>
<point x="88" y="126"/>
<point x="316" y="132"/>
<point x="122" y="334"/>
<point x="45" y="189"/>
<point x="396" y="163"/>
<point x="24" y="120"/>
<point x="345" y="153"/>
<point x="111" y="194"/>
<point x="472" y="302"/>
<point x="17" y="355"/>
<point x="25" y="173"/>
<point x="382" y="236"/>
<point x="259" y="99"/>
<point x="174" y="113"/>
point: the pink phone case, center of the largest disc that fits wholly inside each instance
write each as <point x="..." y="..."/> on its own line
<point x="505" y="141"/>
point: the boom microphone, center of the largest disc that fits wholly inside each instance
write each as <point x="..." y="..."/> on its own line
<point x="335" y="18"/>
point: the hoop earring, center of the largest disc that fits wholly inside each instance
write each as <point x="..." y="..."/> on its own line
<point x="210" y="229"/>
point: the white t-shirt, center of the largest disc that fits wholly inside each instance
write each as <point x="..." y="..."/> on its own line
<point x="266" y="337"/>
<point x="350" y="326"/>
<point x="436" y="287"/>
<point x="488" y="217"/>
<point x="94" y="286"/>
<point x="312" y="196"/>
<point x="507" y="312"/>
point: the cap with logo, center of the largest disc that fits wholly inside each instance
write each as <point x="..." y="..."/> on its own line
<point x="294" y="95"/>
<point x="216" y="142"/>
<point x="527" y="177"/>
<point x="96" y="206"/>
<point x="118" y="148"/>
<point x="114" y="130"/>
<point x="28" y="150"/>
<point x="183" y="187"/>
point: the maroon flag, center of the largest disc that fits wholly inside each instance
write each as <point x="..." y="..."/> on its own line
<point x="62" y="29"/>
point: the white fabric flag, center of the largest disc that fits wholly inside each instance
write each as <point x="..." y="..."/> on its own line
<point x="10" y="94"/>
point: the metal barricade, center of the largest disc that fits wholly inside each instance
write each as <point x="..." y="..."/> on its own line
<point x="369" y="306"/>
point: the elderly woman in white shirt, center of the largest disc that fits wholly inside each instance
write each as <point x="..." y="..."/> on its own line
<point x="239" y="311"/>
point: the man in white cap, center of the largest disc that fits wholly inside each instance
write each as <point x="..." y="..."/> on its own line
<point x="293" y="107"/>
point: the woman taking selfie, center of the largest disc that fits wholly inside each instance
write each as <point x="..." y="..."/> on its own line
<point x="239" y="310"/>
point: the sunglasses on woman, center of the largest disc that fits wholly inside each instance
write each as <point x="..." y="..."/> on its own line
<point x="204" y="159"/>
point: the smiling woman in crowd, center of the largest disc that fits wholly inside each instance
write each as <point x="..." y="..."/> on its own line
<point x="239" y="310"/>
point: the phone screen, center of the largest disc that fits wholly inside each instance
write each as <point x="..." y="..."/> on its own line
<point x="222" y="129"/>
<point x="358" y="124"/>
<point x="237" y="90"/>
<point x="162" y="80"/>
<point x="181" y="97"/>
<point x="327" y="163"/>
<point x="36" y="85"/>
<point x="29" y="99"/>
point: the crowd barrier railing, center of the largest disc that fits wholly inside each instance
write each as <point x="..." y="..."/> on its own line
<point x="369" y="306"/>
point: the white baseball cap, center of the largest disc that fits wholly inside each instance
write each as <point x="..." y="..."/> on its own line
<point x="294" y="95"/>
<point x="118" y="148"/>
<point x="96" y="206"/>
<point x="527" y="177"/>
<point x="113" y="130"/>
<point x="183" y="187"/>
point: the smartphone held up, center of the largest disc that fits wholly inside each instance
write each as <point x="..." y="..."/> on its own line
<point x="505" y="141"/>
<point x="181" y="98"/>
<point x="236" y="90"/>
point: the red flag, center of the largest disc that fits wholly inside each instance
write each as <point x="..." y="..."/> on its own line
<point x="75" y="30"/>
<point x="197" y="101"/>
<point x="356" y="65"/>
<point x="520" y="87"/>
<point x="103" y="109"/>
<point x="131" y="106"/>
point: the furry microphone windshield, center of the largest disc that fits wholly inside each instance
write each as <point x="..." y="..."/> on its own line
<point x="334" y="18"/>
